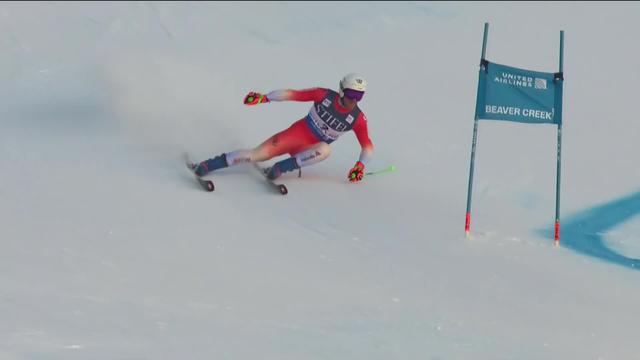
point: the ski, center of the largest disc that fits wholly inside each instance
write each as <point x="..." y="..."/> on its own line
<point x="207" y="185"/>
<point x="281" y="188"/>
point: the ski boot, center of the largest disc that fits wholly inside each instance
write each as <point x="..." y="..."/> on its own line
<point x="281" y="167"/>
<point x="210" y="165"/>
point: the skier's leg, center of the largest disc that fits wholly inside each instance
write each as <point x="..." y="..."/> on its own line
<point x="227" y="159"/>
<point x="263" y="152"/>
<point x="207" y="166"/>
<point x="270" y="148"/>
<point x="292" y="139"/>
<point x="311" y="156"/>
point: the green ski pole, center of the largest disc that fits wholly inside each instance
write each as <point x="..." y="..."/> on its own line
<point x="389" y="169"/>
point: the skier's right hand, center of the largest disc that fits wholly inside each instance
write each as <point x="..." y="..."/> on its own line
<point x="254" y="98"/>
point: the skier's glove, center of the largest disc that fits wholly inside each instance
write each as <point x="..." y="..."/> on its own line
<point x="357" y="172"/>
<point x="254" y="98"/>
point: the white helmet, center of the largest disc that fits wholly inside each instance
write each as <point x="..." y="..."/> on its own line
<point x="354" y="82"/>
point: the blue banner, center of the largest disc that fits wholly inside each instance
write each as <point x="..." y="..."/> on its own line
<point x="512" y="94"/>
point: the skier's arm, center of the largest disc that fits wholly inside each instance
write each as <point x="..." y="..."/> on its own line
<point x="313" y="94"/>
<point x="362" y="133"/>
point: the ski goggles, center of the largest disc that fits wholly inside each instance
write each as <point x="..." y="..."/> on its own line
<point x="353" y="94"/>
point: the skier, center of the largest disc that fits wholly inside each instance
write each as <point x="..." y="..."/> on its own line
<point x="307" y="140"/>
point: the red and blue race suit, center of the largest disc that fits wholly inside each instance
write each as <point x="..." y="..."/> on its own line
<point x="326" y="121"/>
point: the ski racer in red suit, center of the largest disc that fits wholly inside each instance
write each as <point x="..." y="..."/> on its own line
<point x="307" y="140"/>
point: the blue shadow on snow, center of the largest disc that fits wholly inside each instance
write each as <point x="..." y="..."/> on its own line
<point x="583" y="232"/>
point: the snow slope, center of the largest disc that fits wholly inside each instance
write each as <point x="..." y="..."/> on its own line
<point x="109" y="250"/>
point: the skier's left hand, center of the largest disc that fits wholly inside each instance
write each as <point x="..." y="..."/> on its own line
<point x="356" y="173"/>
<point x="254" y="98"/>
